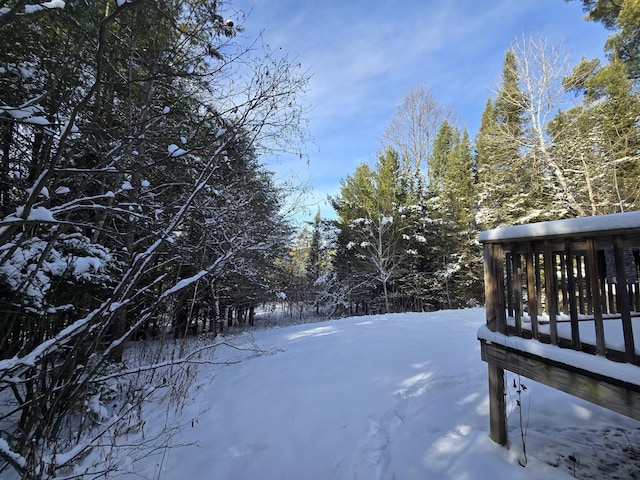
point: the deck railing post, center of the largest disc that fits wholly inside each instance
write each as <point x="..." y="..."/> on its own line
<point x="494" y="287"/>
<point x="490" y="287"/>
<point x="494" y="299"/>
<point x="497" y="405"/>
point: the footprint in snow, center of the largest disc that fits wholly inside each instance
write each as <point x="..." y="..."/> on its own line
<point x="373" y="458"/>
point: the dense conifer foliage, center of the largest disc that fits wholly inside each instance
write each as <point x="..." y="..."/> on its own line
<point x="133" y="200"/>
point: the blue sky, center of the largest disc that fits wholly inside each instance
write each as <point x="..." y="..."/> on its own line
<point x="366" y="55"/>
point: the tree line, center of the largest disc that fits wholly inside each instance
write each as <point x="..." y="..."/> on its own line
<point x="556" y="141"/>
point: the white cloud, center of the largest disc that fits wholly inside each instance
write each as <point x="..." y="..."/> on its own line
<point x="365" y="57"/>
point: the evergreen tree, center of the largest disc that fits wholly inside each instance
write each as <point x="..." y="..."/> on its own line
<point x="508" y="175"/>
<point x="453" y="252"/>
<point x="623" y="17"/>
<point x="616" y="104"/>
<point x="314" y="259"/>
<point x="131" y="192"/>
<point x="442" y="146"/>
<point x="369" y="210"/>
<point x="599" y="140"/>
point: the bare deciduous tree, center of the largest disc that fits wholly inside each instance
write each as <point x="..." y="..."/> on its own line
<point x="412" y="132"/>
<point x="542" y="69"/>
<point x="583" y="154"/>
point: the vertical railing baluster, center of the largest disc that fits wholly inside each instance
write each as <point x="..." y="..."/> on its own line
<point x="509" y="292"/>
<point x="516" y="261"/>
<point x="636" y="263"/>
<point x="532" y="294"/>
<point x="538" y="269"/>
<point x="622" y="300"/>
<point x="595" y="295"/>
<point x="550" y="280"/>
<point x="581" y="287"/>
<point x="563" y="260"/>
<point x="501" y="319"/>
<point x="602" y="279"/>
<point x="571" y="288"/>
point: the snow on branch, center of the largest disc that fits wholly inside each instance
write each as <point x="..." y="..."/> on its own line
<point x="14" y="459"/>
<point x="183" y="284"/>
<point x="23" y="10"/>
<point x="14" y="365"/>
<point x="51" y="5"/>
<point x="188" y="281"/>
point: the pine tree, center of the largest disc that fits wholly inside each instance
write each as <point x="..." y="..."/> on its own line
<point x="371" y="223"/>
<point x="509" y="190"/>
<point x="453" y="252"/>
<point x="314" y="258"/>
<point x="617" y="106"/>
<point x="623" y="17"/>
<point x="442" y="146"/>
<point x="599" y="140"/>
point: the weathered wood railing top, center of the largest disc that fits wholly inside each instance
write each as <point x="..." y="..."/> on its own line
<point x="571" y="283"/>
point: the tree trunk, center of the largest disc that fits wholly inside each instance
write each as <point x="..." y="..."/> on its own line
<point x="386" y="297"/>
<point x="7" y="139"/>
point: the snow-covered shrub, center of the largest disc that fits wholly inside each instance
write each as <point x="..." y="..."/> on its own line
<point x="53" y="279"/>
<point x="36" y="266"/>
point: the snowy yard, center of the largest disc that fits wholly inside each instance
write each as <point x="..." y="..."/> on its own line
<point x="400" y="396"/>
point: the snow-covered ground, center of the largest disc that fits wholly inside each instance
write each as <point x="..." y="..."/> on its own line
<point x="400" y="396"/>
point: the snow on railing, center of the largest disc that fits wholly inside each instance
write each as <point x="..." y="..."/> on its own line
<point x="569" y="283"/>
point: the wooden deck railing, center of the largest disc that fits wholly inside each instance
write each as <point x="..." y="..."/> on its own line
<point x="571" y="283"/>
<point x="568" y="283"/>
